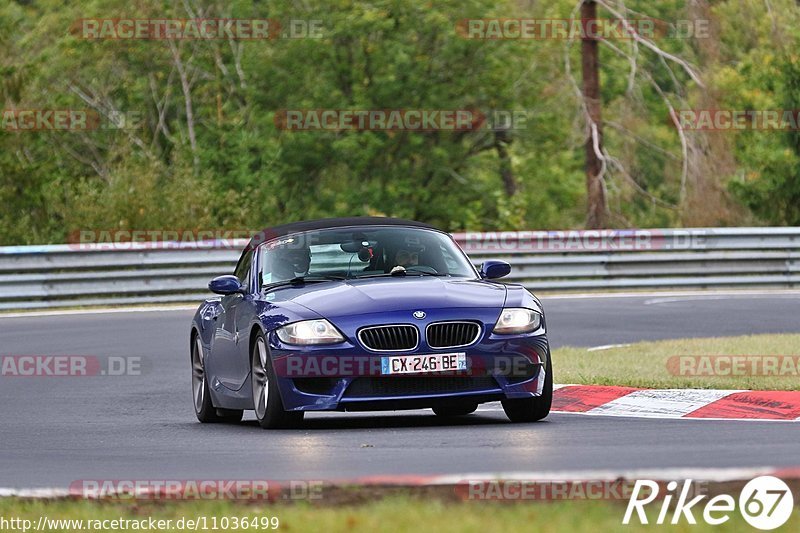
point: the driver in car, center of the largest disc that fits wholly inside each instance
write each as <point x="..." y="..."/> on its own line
<point x="406" y="257"/>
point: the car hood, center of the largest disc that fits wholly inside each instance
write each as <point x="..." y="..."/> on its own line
<point x="353" y="297"/>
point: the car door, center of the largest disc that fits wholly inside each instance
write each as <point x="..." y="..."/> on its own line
<point x="230" y="362"/>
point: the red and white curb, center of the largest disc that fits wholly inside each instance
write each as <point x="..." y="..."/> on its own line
<point x="708" y="475"/>
<point x="659" y="474"/>
<point x="674" y="403"/>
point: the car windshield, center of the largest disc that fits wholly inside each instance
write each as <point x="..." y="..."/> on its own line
<point x="362" y="251"/>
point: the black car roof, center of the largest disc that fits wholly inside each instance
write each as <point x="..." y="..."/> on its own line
<point x="274" y="232"/>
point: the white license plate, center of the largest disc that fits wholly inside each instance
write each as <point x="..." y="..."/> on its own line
<point x="414" y="364"/>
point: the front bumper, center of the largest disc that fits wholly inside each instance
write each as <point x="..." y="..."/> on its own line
<point x="346" y="377"/>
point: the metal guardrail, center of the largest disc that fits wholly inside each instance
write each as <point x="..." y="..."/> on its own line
<point x="125" y="273"/>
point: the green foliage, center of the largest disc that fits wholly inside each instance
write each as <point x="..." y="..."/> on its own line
<point x="242" y="171"/>
<point x="765" y="77"/>
<point x="771" y="164"/>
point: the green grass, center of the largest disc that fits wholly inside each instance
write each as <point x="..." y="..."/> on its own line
<point x="645" y="364"/>
<point x="391" y="515"/>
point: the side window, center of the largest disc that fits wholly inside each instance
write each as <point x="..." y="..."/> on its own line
<point x="243" y="268"/>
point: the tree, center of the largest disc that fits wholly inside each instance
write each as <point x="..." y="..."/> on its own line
<point x="595" y="189"/>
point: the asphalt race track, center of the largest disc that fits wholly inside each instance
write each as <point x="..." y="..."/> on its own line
<point x="56" y="430"/>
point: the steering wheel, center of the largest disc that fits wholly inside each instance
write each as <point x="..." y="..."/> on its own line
<point x="422" y="268"/>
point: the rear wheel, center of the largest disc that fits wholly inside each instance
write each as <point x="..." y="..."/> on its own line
<point x="532" y="409"/>
<point x="266" y="397"/>
<point x="455" y="410"/>
<point x="203" y="408"/>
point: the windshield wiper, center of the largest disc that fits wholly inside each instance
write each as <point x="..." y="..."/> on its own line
<point x="316" y="277"/>
<point x="299" y="280"/>
<point x="404" y="273"/>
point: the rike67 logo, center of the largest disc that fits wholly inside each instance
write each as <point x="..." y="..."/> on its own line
<point x="765" y="503"/>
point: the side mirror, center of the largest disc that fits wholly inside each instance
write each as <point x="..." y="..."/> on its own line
<point x="495" y="269"/>
<point x="226" y="285"/>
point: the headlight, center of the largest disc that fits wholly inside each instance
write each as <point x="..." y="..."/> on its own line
<point x="518" y="320"/>
<point x="310" y="332"/>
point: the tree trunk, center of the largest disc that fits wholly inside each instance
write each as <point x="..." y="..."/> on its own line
<point x="187" y="97"/>
<point x="596" y="208"/>
<point x="501" y="140"/>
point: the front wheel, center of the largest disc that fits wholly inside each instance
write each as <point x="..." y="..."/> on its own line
<point x="266" y="397"/>
<point x="203" y="408"/>
<point x="532" y="409"/>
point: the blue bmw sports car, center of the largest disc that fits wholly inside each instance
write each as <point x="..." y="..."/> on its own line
<point x="366" y="314"/>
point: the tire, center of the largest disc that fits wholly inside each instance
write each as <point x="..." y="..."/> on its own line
<point x="203" y="408"/>
<point x="532" y="409"/>
<point x="455" y="409"/>
<point x="267" y="402"/>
